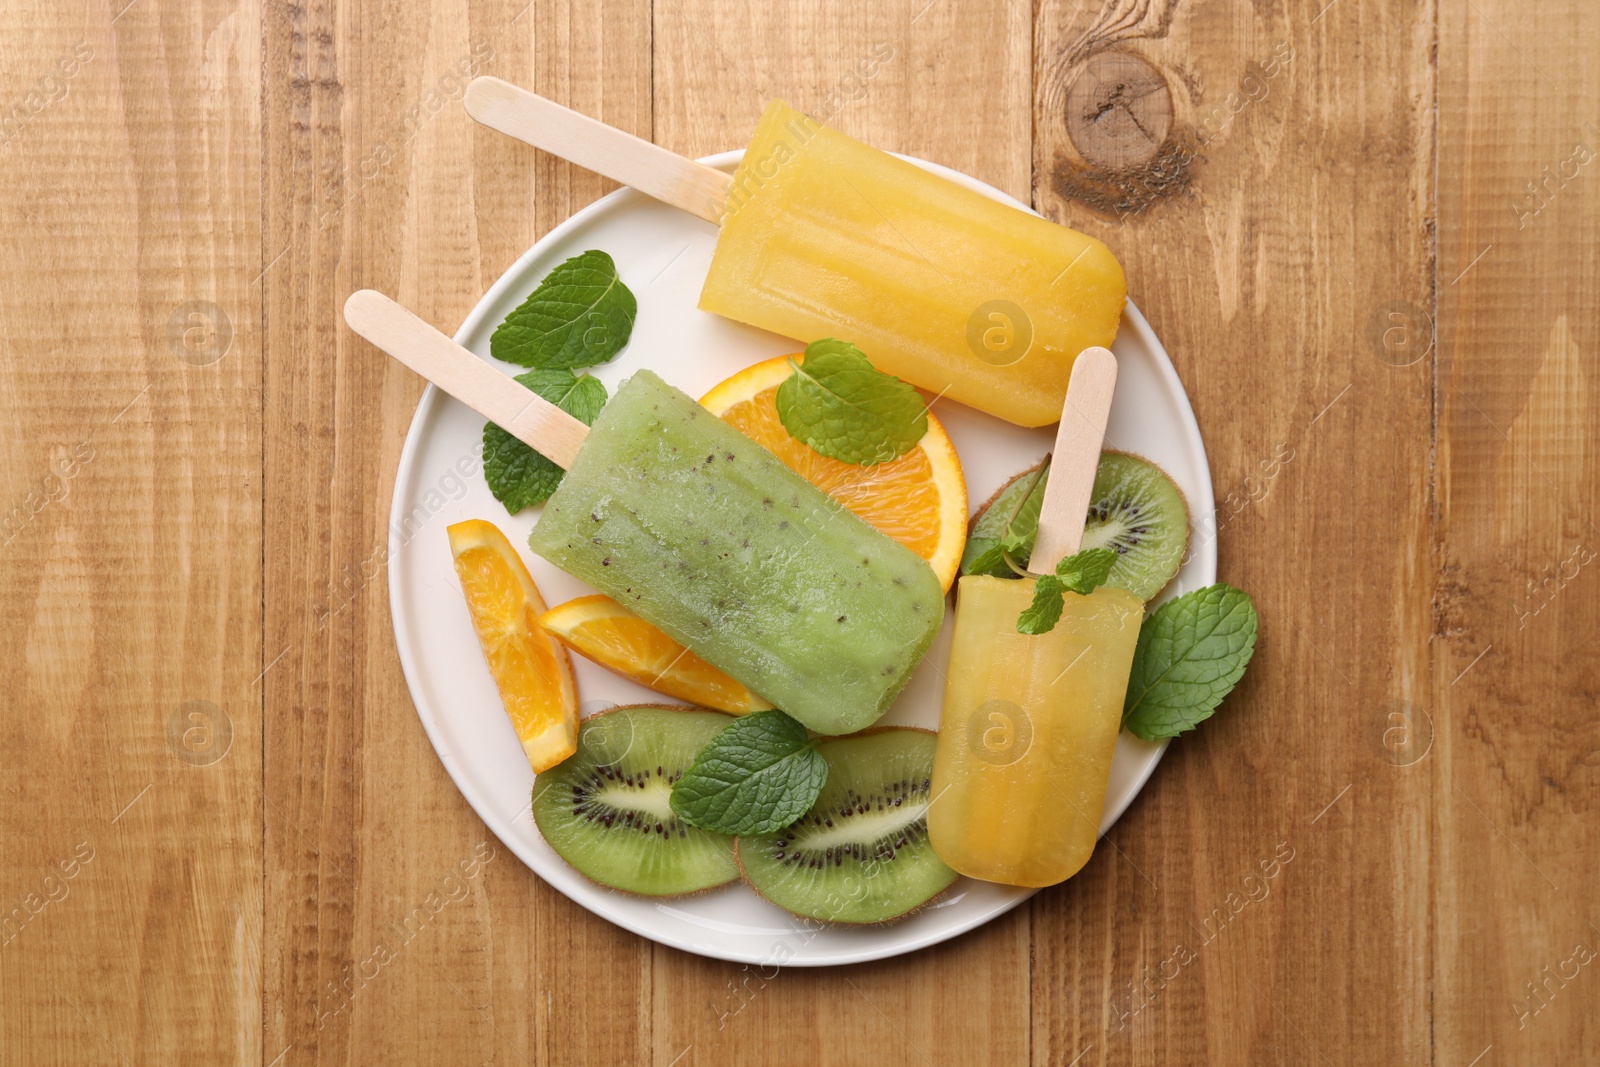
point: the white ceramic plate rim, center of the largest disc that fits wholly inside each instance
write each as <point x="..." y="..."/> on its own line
<point x="568" y="881"/>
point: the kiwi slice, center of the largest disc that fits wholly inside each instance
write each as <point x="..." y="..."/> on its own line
<point x="1134" y="508"/>
<point x="607" y="809"/>
<point x="1013" y="509"/>
<point x="1137" y="510"/>
<point x="861" y="854"/>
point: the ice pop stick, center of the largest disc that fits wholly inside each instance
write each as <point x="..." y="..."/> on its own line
<point x="520" y="411"/>
<point x="606" y="150"/>
<point x="1076" y="458"/>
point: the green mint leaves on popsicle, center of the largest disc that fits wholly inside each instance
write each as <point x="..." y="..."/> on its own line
<point x="1084" y="572"/>
<point x="1081" y="573"/>
<point x="841" y="405"/>
<point x="580" y="315"/>
<point x="518" y="476"/>
<point x="1041" y="616"/>
<point x="1191" y="653"/>
<point x="758" y="775"/>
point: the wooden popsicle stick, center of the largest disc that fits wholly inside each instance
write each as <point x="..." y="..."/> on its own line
<point x="1076" y="458"/>
<point x="501" y="399"/>
<point x="591" y="144"/>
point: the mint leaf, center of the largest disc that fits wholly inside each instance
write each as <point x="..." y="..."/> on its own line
<point x="841" y="405"/>
<point x="518" y="476"/>
<point x="580" y="315"/>
<point x="1041" y="616"/>
<point x="1084" y="572"/>
<point x="1007" y="527"/>
<point x="983" y="557"/>
<point x="758" y="775"/>
<point x="986" y="557"/>
<point x="1191" y="653"/>
<point x="1081" y="573"/>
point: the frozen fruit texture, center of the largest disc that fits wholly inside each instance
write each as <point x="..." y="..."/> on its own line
<point x="937" y="283"/>
<point x="1027" y="733"/>
<point x="707" y="535"/>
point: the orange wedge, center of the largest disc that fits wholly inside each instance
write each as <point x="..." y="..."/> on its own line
<point x="619" y="640"/>
<point x="919" y="499"/>
<point x="532" y="671"/>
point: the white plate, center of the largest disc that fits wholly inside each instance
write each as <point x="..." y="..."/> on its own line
<point x="662" y="255"/>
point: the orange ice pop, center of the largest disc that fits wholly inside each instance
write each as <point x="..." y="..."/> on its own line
<point x="1030" y="722"/>
<point x="822" y="236"/>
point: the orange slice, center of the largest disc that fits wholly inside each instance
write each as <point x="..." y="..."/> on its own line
<point x="919" y="499"/>
<point x="532" y="671"/>
<point x="619" y="640"/>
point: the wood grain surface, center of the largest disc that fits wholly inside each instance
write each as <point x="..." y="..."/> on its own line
<point x="1366" y="232"/>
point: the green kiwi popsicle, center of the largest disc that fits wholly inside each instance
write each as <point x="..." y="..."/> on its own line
<point x="684" y="520"/>
<point x="704" y="533"/>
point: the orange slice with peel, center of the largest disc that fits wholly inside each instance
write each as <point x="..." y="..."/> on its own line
<point x="532" y="671"/>
<point x="919" y="499"/>
<point x="619" y="640"/>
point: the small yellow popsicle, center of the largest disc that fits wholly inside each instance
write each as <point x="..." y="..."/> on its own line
<point x="823" y="236"/>
<point x="1027" y="733"/>
<point x="1030" y="721"/>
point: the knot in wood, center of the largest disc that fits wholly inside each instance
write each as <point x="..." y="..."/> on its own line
<point x="1118" y="110"/>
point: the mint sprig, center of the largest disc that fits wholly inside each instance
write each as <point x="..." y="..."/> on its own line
<point x="1192" y="651"/>
<point x="1005" y="540"/>
<point x="1084" y="572"/>
<point x="758" y="775"/>
<point x="518" y="476"/>
<point x="580" y="315"/>
<point x="1041" y="616"/>
<point x="1081" y="573"/>
<point x="837" y="402"/>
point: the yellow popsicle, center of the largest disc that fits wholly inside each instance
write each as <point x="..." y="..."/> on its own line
<point x="824" y="236"/>
<point x="1030" y="721"/>
<point x="1027" y="733"/>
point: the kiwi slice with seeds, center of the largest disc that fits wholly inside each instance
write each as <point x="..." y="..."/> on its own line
<point x="1139" y="511"/>
<point x="607" y="809"/>
<point x="861" y="854"/>
<point x="1134" y="508"/>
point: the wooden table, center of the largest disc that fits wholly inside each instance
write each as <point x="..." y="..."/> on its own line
<point x="1366" y="232"/>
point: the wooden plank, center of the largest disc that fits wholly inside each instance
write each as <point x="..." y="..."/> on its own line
<point x="1519" y="323"/>
<point x="130" y="864"/>
<point x="375" y="177"/>
<point x="962" y="1002"/>
<point x="1264" y="176"/>
<point x="588" y="977"/>
<point x="894" y="73"/>
<point x="900" y="76"/>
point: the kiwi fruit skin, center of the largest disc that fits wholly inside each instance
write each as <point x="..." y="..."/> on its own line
<point x="1144" y="575"/>
<point x="607" y="808"/>
<point x="861" y="854"/>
